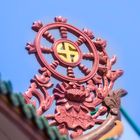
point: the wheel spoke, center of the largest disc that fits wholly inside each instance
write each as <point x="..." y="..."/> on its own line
<point x="88" y="56"/>
<point x="54" y="64"/>
<point x="80" y="41"/>
<point x="63" y="32"/>
<point x="70" y="72"/>
<point x="46" y="50"/>
<point x="84" y="69"/>
<point x="48" y="36"/>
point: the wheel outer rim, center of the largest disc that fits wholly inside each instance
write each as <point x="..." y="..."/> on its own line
<point x="76" y="32"/>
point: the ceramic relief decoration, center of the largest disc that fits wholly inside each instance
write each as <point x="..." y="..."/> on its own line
<point x="80" y="99"/>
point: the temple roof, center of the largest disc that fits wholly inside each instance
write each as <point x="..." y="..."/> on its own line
<point x="20" y="120"/>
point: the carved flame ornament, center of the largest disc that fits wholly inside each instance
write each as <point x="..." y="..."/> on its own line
<point x="80" y="101"/>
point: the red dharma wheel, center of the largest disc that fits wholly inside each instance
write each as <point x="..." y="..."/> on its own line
<point x="76" y="97"/>
<point x="66" y="52"/>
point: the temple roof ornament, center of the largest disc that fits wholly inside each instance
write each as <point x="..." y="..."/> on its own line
<point x="83" y="94"/>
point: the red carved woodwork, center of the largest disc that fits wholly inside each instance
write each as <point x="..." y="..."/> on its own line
<point x="75" y="97"/>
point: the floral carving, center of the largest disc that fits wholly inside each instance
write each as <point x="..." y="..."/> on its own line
<point x="74" y="103"/>
<point x="38" y="89"/>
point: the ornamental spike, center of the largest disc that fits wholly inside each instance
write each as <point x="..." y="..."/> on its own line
<point x="37" y="25"/>
<point x="30" y="47"/>
<point x="60" y="19"/>
<point x="89" y="33"/>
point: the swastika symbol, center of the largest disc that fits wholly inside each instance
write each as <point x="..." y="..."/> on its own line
<point x="67" y="52"/>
